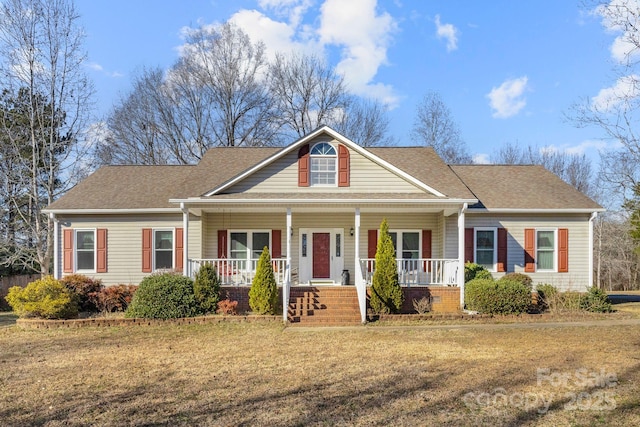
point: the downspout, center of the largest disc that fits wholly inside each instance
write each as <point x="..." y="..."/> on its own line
<point x="186" y="270"/>
<point x="461" y="224"/>
<point x="591" y="221"/>
<point x="361" y="286"/>
<point x="56" y="246"/>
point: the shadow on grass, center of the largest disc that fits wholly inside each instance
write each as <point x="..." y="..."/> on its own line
<point x="7" y="318"/>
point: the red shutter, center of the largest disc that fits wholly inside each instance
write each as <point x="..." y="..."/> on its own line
<point x="179" y="247"/>
<point x="563" y="250"/>
<point x="502" y="249"/>
<point x="303" y="166"/>
<point x="222" y="243"/>
<point x="426" y="248"/>
<point x="101" y="249"/>
<point x="468" y="245"/>
<point x="67" y="245"/>
<point x="343" y="166"/>
<point x="372" y="246"/>
<point x="529" y="250"/>
<point x="147" y="250"/>
<point x="276" y="244"/>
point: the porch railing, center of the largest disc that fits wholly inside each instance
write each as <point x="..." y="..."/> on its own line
<point x="423" y="271"/>
<point x="238" y="272"/>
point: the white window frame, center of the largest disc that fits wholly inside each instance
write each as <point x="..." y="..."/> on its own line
<point x="323" y="156"/>
<point x="399" y="240"/>
<point x="555" y="250"/>
<point x="75" y="250"/>
<point x="494" y="267"/>
<point x="249" y="234"/>
<point x="173" y="247"/>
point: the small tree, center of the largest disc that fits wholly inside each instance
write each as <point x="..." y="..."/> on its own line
<point x="386" y="293"/>
<point x="207" y="288"/>
<point x="263" y="295"/>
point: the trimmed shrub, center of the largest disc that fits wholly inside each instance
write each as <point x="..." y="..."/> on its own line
<point x="497" y="297"/>
<point x="520" y="277"/>
<point x="206" y="288"/>
<point x="386" y="293"/>
<point x="475" y="271"/>
<point x="163" y="296"/>
<point x="46" y="298"/>
<point x="83" y="287"/>
<point x="113" y="298"/>
<point x="596" y="301"/>
<point x="263" y="295"/>
<point x="226" y="306"/>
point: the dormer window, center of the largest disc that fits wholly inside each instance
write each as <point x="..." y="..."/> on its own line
<point x="323" y="165"/>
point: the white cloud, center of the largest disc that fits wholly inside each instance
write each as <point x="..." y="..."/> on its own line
<point x="99" y="68"/>
<point x="364" y="37"/>
<point x="447" y="32"/>
<point x="481" y="159"/>
<point x="584" y="146"/>
<point x="95" y="66"/>
<point x="621" y="17"/>
<point x="507" y="100"/>
<point x="626" y="88"/>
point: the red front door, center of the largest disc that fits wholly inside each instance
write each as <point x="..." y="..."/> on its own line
<point x="321" y="255"/>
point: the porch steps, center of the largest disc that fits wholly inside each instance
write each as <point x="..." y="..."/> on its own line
<point x="323" y="306"/>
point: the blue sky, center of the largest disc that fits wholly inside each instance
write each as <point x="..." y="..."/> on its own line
<point x="508" y="70"/>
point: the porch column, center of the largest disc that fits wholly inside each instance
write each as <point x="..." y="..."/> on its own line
<point x="56" y="246"/>
<point x="361" y="286"/>
<point x="591" y="220"/>
<point x="287" y="275"/>
<point x="461" y="253"/>
<point x="185" y="241"/>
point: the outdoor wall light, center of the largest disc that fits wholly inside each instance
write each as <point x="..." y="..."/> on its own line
<point x="351" y="231"/>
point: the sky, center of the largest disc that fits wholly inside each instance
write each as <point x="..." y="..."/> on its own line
<point x="509" y="71"/>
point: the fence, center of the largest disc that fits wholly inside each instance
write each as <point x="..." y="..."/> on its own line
<point x="7" y="282"/>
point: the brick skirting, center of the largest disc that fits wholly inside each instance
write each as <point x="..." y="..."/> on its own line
<point x="444" y="299"/>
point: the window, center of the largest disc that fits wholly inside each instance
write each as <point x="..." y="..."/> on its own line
<point x="248" y="245"/>
<point x="304" y="244"/>
<point x="485" y="248"/>
<point x="409" y="243"/>
<point x="85" y="250"/>
<point x="338" y="244"/>
<point x="323" y="165"/>
<point x="163" y="249"/>
<point x="545" y="250"/>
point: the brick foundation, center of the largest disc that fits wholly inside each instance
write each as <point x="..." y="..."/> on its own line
<point x="241" y="294"/>
<point x="444" y="299"/>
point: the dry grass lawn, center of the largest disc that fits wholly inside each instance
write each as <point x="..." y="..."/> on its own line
<point x="261" y="374"/>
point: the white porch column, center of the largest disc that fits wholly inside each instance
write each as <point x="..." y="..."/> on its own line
<point x="461" y="253"/>
<point x="287" y="277"/>
<point x="185" y="241"/>
<point x="56" y="246"/>
<point x="591" y="220"/>
<point x="361" y="286"/>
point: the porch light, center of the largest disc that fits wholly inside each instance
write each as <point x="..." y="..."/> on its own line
<point x="351" y="231"/>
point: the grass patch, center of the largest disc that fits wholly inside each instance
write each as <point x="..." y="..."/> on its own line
<point x="262" y="374"/>
<point x="7" y="318"/>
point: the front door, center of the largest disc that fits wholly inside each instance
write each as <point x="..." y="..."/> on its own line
<point x="321" y="255"/>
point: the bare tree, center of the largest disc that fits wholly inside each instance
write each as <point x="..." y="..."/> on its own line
<point x="365" y="122"/>
<point x="306" y="93"/>
<point x="575" y="169"/>
<point x="41" y="63"/>
<point x="435" y="127"/>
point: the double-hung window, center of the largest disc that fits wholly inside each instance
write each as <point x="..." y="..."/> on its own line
<point x="85" y="250"/>
<point x="546" y="250"/>
<point x="163" y="249"/>
<point x="247" y="245"/>
<point x="406" y="245"/>
<point x="323" y="165"/>
<point x="486" y="247"/>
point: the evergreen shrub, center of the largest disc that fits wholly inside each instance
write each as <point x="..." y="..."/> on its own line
<point x="263" y="295"/>
<point x="386" y="292"/>
<point x="163" y="296"/>
<point x="46" y="298"/>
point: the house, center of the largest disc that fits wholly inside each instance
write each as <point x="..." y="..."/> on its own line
<point x="317" y="205"/>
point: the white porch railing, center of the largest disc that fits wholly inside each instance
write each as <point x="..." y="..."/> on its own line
<point x="238" y="272"/>
<point x="424" y="271"/>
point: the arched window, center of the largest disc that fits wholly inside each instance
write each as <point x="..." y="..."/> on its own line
<point x="323" y="164"/>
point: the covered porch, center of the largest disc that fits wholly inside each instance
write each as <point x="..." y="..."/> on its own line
<point x="332" y="243"/>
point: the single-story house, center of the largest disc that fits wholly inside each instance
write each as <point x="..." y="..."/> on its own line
<point x="317" y="205"/>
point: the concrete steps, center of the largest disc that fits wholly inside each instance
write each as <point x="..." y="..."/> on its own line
<point x="323" y="306"/>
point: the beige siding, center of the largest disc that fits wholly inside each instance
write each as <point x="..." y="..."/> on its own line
<point x="578" y="226"/>
<point x="124" y="241"/>
<point x="282" y="176"/>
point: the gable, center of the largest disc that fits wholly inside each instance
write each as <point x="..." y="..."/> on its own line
<point x="364" y="175"/>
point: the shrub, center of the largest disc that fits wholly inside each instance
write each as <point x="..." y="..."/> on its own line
<point x="83" y="287"/>
<point x="113" y="298"/>
<point x="163" y="296"/>
<point x="497" y="297"/>
<point x="386" y="293"/>
<point x="596" y="300"/>
<point x="46" y="298"/>
<point x="206" y="288"/>
<point x="546" y="294"/>
<point x="263" y="295"/>
<point x="422" y="305"/>
<point x="475" y="271"/>
<point x="520" y="277"/>
<point x="226" y="306"/>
